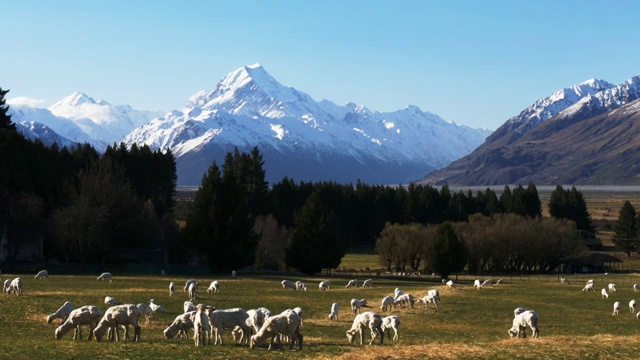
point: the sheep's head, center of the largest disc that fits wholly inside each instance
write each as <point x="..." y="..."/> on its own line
<point x="351" y="335"/>
<point x="99" y="331"/>
<point x="49" y="319"/>
<point x="513" y="332"/>
<point x="170" y="332"/>
<point x="253" y="342"/>
<point x="59" y="332"/>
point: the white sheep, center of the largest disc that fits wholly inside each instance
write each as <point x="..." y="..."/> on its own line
<point x="500" y="281"/>
<point x="180" y="325"/>
<point x="119" y="315"/>
<point x="62" y="313"/>
<point x="285" y="324"/>
<point x="352" y="283"/>
<point x="404" y="299"/>
<point x="193" y="289"/>
<point x="16" y="286"/>
<point x="105" y="276"/>
<point x="612" y="287"/>
<point x="434" y="293"/>
<point x="172" y="289"/>
<point x="214" y="288"/>
<point x="397" y="293"/>
<point x="391" y="322"/>
<point x="564" y="281"/>
<point x="367" y="283"/>
<point x="288" y="285"/>
<point x="387" y="302"/>
<point x="357" y="304"/>
<point x="451" y="284"/>
<point x="155" y="307"/>
<point x="430" y="299"/>
<point x="365" y="320"/>
<point x="145" y="311"/>
<point x="476" y="284"/>
<point x="85" y="315"/>
<point x="255" y="320"/>
<point x="42" y="274"/>
<point x="334" y="312"/>
<point x="588" y="287"/>
<point x="301" y="286"/>
<point x="632" y="306"/>
<point x="324" y="285"/>
<point x="604" y="294"/>
<point x="188" y="283"/>
<point x="201" y="327"/>
<point x="188" y="306"/>
<point x="638" y="315"/>
<point x="616" y="308"/>
<point x="7" y="286"/>
<point x="636" y="287"/>
<point x="488" y="282"/>
<point x="228" y="319"/>
<point x="108" y="300"/>
<point x="528" y="318"/>
<point x="299" y="311"/>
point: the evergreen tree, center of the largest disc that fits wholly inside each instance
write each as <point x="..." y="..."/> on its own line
<point x="627" y="229"/>
<point x="448" y="252"/>
<point x="5" y="118"/>
<point x="570" y="204"/>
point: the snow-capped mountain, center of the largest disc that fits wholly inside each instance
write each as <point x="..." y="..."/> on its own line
<point x="301" y="138"/>
<point x="100" y="120"/>
<point x="37" y="131"/>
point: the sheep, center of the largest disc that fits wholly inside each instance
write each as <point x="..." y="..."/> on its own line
<point x="334" y="312"/>
<point x="172" y="289"/>
<point x="612" y="287"/>
<point x="122" y="315"/>
<point x="518" y="311"/>
<point x="155" y="307"/>
<point x="287" y="324"/>
<point x="367" y="283"/>
<point x="16" y="286"/>
<point x="105" y="276"/>
<point x="324" y="285"/>
<point x="430" y="299"/>
<point x="564" y="281"/>
<point x="500" y="281"/>
<point x="528" y="318"/>
<point x="42" y="274"/>
<point x="234" y="274"/>
<point x="367" y="319"/>
<point x="402" y="300"/>
<point x="108" y="300"/>
<point x="387" y="302"/>
<point x="632" y="306"/>
<point x="616" y="308"/>
<point x="352" y="283"/>
<point x="85" y="315"/>
<point x="7" y="286"/>
<point x="488" y="282"/>
<point x="451" y="284"/>
<point x="188" y="306"/>
<point x="397" y="293"/>
<point x="590" y="281"/>
<point x="301" y="286"/>
<point x="145" y="311"/>
<point x="62" y="313"/>
<point x="188" y="283"/>
<point x="180" y="325"/>
<point x="391" y="322"/>
<point x="214" y="288"/>
<point x="434" y="293"/>
<point x="636" y="287"/>
<point x="588" y="287"/>
<point x="229" y="318"/>
<point x="604" y="294"/>
<point x="288" y="284"/>
<point x="357" y="304"/>
<point x="193" y="289"/>
<point x="476" y="284"/>
<point x="201" y="327"/>
<point x="638" y="315"/>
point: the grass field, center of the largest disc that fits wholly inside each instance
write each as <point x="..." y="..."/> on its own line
<point x="470" y="324"/>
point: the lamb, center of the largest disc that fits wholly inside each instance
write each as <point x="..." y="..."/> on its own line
<point x="402" y="300"/>
<point x="391" y="322"/>
<point x="357" y="304"/>
<point x="636" y="287"/>
<point x="387" y="302"/>
<point x="287" y="324"/>
<point x="488" y="282"/>
<point x="180" y="326"/>
<point x="434" y="293"/>
<point x="62" y="313"/>
<point x="476" y="284"/>
<point x="324" y="285"/>
<point x="188" y="306"/>
<point x="122" y="315"/>
<point x="588" y="287"/>
<point x="604" y="294"/>
<point x="430" y="299"/>
<point x="108" y="300"/>
<point x="616" y="308"/>
<point x="397" y="293"/>
<point x="632" y="306"/>
<point x="172" y="289"/>
<point x="193" y="288"/>
<point x="451" y="284"/>
<point x="16" y="286"/>
<point x="590" y="281"/>
<point x="85" y="315"/>
<point x="564" y="281"/>
<point x="301" y="286"/>
<point x="528" y="318"/>
<point x="201" y="327"/>
<point x="229" y="319"/>
<point x="367" y="283"/>
<point x="105" y="276"/>
<point x="214" y="288"/>
<point x="42" y="274"/>
<point x="155" y="307"/>
<point x="612" y="287"/>
<point x="367" y="319"/>
<point x="352" y="283"/>
<point x="188" y="283"/>
<point x="334" y="312"/>
<point x="145" y="311"/>
<point x="288" y="284"/>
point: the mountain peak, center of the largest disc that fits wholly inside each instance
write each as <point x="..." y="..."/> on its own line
<point x="75" y="99"/>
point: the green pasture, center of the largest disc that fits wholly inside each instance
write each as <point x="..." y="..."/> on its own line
<point x="470" y="323"/>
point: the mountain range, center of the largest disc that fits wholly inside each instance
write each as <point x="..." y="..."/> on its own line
<point x="298" y="137"/>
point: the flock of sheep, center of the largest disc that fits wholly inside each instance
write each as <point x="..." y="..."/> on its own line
<point x="605" y="295"/>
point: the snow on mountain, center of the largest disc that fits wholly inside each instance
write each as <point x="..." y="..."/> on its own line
<point x="33" y="130"/>
<point x="607" y="99"/>
<point x="99" y="119"/>
<point x="302" y="138"/>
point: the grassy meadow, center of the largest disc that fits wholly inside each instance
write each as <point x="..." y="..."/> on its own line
<point x="470" y="324"/>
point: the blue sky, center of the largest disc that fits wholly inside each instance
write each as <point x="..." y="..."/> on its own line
<point x="473" y="62"/>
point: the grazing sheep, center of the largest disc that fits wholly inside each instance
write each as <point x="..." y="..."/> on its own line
<point x="451" y="284"/>
<point x="397" y="293"/>
<point x="145" y="311"/>
<point x="564" y="281"/>
<point x="604" y="294"/>
<point x="500" y="281"/>
<point x="108" y="300"/>
<point x="588" y="287"/>
<point x="228" y="319"/>
<point x="85" y="315"/>
<point x="352" y="283"/>
<point x="365" y="320"/>
<point x="62" y="313"/>
<point x="201" y="327"/>
<point x="357" y="304"/>
<point x="476" y="284"/>
<point x="119" y="315"/>
<point x="434" y="293"/>
<point x="404" y="299"/>
<point x="387" y="302"/>
<point x="636" y="287"/>
<point x="155" y="307"/>
<point x="42" y="274"/>
<point x="188" y="283"/>
<point x="616" y="308"/>
<point x="367" y="283"/>
<point x="429" y="299"/>
<point x="214" y="288"/>
<point x="105" y="276"/>
<point x="391" y="322"/>
<point x="285" y="324"/>
<point x="7" y="286"/>
<point x="612" y="287"/>
<point x="324" y="285"/>
<point x="528" y="318"/>
<point x="288" y="284"/>
<point x="632" y="306"/>
<point x="193" y="289"/>
<point x="180" y="326"/>
<point x="334" y="312"/>
<point x="188" y="306"/>
<point x="488" y="282"/>
<point x="172" y="289"/>
<point x="16" y="286"/>
<point x="301" y="286"/>
<point x="638" y="315"/>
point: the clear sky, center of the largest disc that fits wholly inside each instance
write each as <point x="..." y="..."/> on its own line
<point x="473" y="62"/>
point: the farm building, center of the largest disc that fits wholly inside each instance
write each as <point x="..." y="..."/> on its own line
<point x="591" y="262"/>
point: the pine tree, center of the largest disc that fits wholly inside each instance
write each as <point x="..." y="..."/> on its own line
<point x="626" y="229"/>
<point x="5" y="118"/>
<point x="448" y="252"/>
